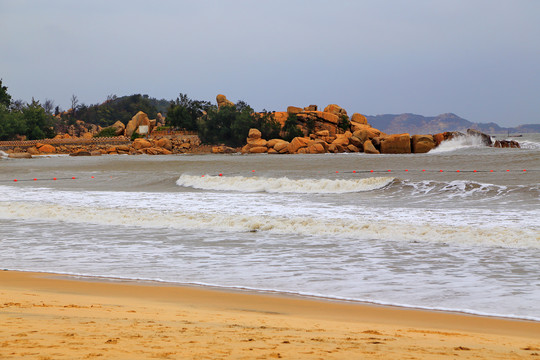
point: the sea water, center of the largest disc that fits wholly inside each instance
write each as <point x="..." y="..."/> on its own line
<point x="322" y="225"/>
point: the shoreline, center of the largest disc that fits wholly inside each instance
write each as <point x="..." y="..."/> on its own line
<point x="61" y="316"/>
<point x="262" y="292"/>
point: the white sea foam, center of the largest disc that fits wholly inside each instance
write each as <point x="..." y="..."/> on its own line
<point x="529" y="145"/>
<point x="394" y="229"/>
<point x="457" y="143"/>
<point x="282" y="185"/>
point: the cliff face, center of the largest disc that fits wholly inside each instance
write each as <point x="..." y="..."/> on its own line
<point x="418" y="124"/>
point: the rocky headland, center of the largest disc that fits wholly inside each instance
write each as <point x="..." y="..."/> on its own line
<point x="329" y="131"/>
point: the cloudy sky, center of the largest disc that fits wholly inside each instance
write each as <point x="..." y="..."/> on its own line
<point x="479" y="59"/>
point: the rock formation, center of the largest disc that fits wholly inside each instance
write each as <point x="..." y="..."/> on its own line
<point x="222" y="101"/>
<point x="133" y="125"/>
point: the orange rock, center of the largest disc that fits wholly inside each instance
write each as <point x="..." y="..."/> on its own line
<point x="256" y="142"/>
<point x="133" y="125"/>
<point x="359" y="119"/>
<point x="335" y="109"/>
<point x="282" y="147"/>
<point x="352" y="148"/>
<point x="272" y="151"/>
<point x="396" y="144"/>
<point x="272" y="142"/>
<point x="32" y="150"/>
<point x="316" y="148"/>
<point x="356" y="142"/>
<point x="422" y="143"/>
<point x="311" y="108"/>
<point x="297" y="143"/>
<point x="258" y="149"/>
<point x="47" y="149"/>
<point x="254" y="134"/>
<point x="322" y="133"/>
<point x="341" y="139"/>
<point x="140" y="143"/>
<point x="222" y="101"/>
<point x="122" y="148"/>
<point x="369" y="148"/>
<point x="438" y="138"/>
<point x="164" y="143"/>
<point x="367" y="133"/>
<point x="119" y="128"/>
<point x="294" y="110"/>
<point x="281" y="117"/>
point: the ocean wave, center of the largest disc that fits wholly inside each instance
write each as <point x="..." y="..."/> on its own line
<point x="458" y="143"/>
<point x="360" y="228"/>
<point x="529" y="145"/>
<point x="283" y="185"/>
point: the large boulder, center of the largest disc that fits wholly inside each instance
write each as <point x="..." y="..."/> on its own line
<point x="359" y="119"/>
<point x="222" y="101"/>
<point x="164" y="143"/>
<point x="258" y="149"/>
<point x="336" y="110"/>
<point x="486" y="139"/>
<point x="254" y="134"/>
<point x="133" y="125"/>
<point x="422" y="143"/>
<point x="47" y="149"/>
<point x="369" y="148"/>
<point x="119" y="128"/>
<point x="256" y="142"/>
<point x="271" y="143"/>
<point x="140" y="144"/>
<point x="297" y="143"/>
<point x="294" y="110"/>
<point x="396" y="144"/>
<point x="282" y="147"/>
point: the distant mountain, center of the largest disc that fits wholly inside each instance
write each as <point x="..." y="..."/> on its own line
<point x="418" y="124"/>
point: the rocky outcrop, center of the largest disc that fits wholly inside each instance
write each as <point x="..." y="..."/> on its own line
<point x="336" y="110"/>
<point x="222" y="101"/>
<point x="119" y="128"/>
<point x="422" y="143"/>
<point x="359" y="119"/>
<point x="294" y="110"/>
<point x="133" y="125"/>
<point x="395" y="144"/>
<point x="46" y="148"/>
<point x="486" y="139"/>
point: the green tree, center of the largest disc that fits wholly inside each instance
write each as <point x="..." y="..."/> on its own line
<point x="184" y="112"/>
<point x="5" y="98"/>
<point x="38" y="122"/>
<point x="291" y="129"/>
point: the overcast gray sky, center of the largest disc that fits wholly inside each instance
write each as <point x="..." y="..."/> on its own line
<point x="479" y="59"/>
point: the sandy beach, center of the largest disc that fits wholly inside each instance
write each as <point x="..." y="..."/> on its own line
<point x="47" y="316"/>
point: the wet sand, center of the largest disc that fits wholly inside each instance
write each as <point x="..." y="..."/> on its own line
<point x="47" y="316"/>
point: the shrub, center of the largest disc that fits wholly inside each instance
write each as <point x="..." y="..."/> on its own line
<point x="344" y="123"/>
<point x="107" y="132"/>
<point x="291" y="129"/>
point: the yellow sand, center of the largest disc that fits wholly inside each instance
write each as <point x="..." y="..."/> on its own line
<point x="44" y="316"/>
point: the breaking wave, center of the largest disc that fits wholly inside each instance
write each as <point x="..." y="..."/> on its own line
<point x="360" y="228"/>
<point x="283" y="185"/>
<point x="457" y="143"/>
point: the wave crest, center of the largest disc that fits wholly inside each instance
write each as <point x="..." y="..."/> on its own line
<point x="283" y="185"/>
